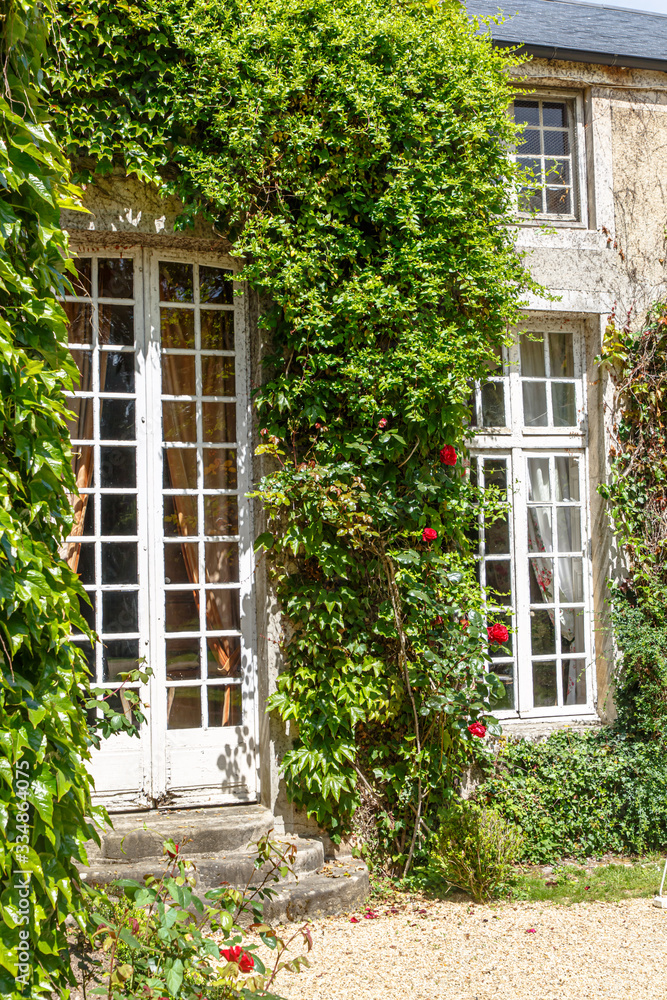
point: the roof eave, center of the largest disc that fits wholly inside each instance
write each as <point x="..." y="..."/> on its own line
<point x="581" y="55"/>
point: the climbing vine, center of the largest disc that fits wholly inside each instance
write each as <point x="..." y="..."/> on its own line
<point x="637" y="494"/>
<point x="355" y="156"/>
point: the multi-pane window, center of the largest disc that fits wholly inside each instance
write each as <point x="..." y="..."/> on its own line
<point x="161" y="536"/>
<point x="533" y="560"/>
<point x="546" y="153"/>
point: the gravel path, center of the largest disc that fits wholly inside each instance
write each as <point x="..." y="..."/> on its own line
<point x="457" y="951"/>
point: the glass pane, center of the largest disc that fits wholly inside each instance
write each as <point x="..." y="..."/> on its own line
<point x="87" y="609"/>
<point x="179" y="375"/>
<point x="530" y="200"/>
<point x="89" y="516"/>
<point x="219" y="420"/>
<point x="568" y="520"/>
<point x="225" y="706"/>
<point x="215" y="285"/>
<point x="542" y="633"/>
<point x="529" y="143"/>
<point x="120" y="611"/>
<point x="176" y="282"/>
<point x="115" y="278"/>
<point x="179" y="468"/>
<point x="493" y="404"/>
<point x="557" y="172"/>
<point x="495" y="473"/>
<point x="220" y="469"/>
<point x="222" y="610"/>
<point x="119" y="562"/>
<point x="118" y="467"/>
<point x="181" y="611"/>
<point x="117" y="420"/>
<point x="559" y="201"/>
<point x="117" y="325"/>
<point x="119" y="703"/>
<point x="217" y="375"/>
<point x="527" y="112"/>
<point x="222" y="562"/>
<point x="183" y="708"/>
<point x="540" y="537"/>
<point x="572" y="637"/>
<point x="119" y="656"/>
<point x="567" y="478"/>
<point x="545" y="691"/>
<point x="177" y="328"/>
<point x="561" y="355"/>
<point x="556" y="143"/>
<point x="535" y="404"/>
<point x="538" y="479"/>
<point x="179" y="421"/>
<point x="221" y="515"/>
<point x="574" y="682"/>
<point x="181" y="563"/>
<point x="217" y="330"/>
<point x="531" y="170"/>
<point x="180" y="516"/>
<point x="182" y="657"/>
<point x="505" y="673"/>
<point x="563" y="401"/>
<point x="554" y="113"/>
<point x="541" y="575"/>
<point x="224" y="656"/>
<point x="79" y="322"/>
<point x="499" y="581"/>
<point x="82" y="283"/>
<point x="119" y="514"/>
<point x="497" y="537"/>
<point x="571" y="579"/>
<point x="85" y="566"/>
<point x="532" y="355"/>
<point x="116" y="371"/>
<point x="80" y="426"/>
<point x="82" y="360"/>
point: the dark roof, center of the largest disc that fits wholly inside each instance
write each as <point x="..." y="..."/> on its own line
<point x="583" y="32"/>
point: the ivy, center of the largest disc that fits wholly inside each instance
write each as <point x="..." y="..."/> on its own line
<point x="637" y="496"/>
<point x="45" y="803"/>
<point x="356" y="156"/>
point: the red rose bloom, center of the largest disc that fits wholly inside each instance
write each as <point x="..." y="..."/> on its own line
<point x="236" y="954"/>
<point x="477" y="729"/>
<point x="383" y="423"/>
<point x="498" y="633"/>
<point x="448" y="455"/>
<point x="438" y="620"/>
<point x="429" y="534"/>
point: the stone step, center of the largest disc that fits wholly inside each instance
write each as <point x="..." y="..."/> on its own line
<point x="198" y="832"/>
<point x="236" y="868"/>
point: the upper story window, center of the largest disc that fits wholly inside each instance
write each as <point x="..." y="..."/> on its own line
<point x="551" y="156"/>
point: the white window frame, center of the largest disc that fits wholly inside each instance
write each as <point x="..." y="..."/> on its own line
<point x="579" y="219"/>
<point x="515" y="443"/>
<point x="172" y="767"/>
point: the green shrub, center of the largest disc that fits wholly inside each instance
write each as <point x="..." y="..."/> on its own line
<point x="582" y="794"/>
<point x="476" y="848"/>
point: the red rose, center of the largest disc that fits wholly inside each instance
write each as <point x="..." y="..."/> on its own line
<point x="429" y="534"/>
<point x="247" y="962"/>
<point x="438" y="620"/>
<point x="236" y="954"/>
<point x="498" y="633"/>
<point x="383" y="423"/>
<point x="477" y="729"/>
<point x="448" y="455"/>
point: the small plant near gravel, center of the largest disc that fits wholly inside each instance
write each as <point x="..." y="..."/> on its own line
<point x="476" y="850"/>
<point x="157" y="939"/>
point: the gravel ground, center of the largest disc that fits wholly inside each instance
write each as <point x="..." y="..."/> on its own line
<point x="458" y="951"/>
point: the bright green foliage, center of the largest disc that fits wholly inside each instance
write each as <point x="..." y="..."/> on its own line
<point x="356" y="156"/>
<point x="582" y="794"/>
<point x="476" y="850"/>
<point x="637" y="496"/>
<point x="44" y="787"/>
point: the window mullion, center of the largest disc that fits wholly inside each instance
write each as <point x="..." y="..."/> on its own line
<point x="524" y="697"/>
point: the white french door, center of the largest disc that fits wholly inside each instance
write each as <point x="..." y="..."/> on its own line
<point x="162" y="537"/>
